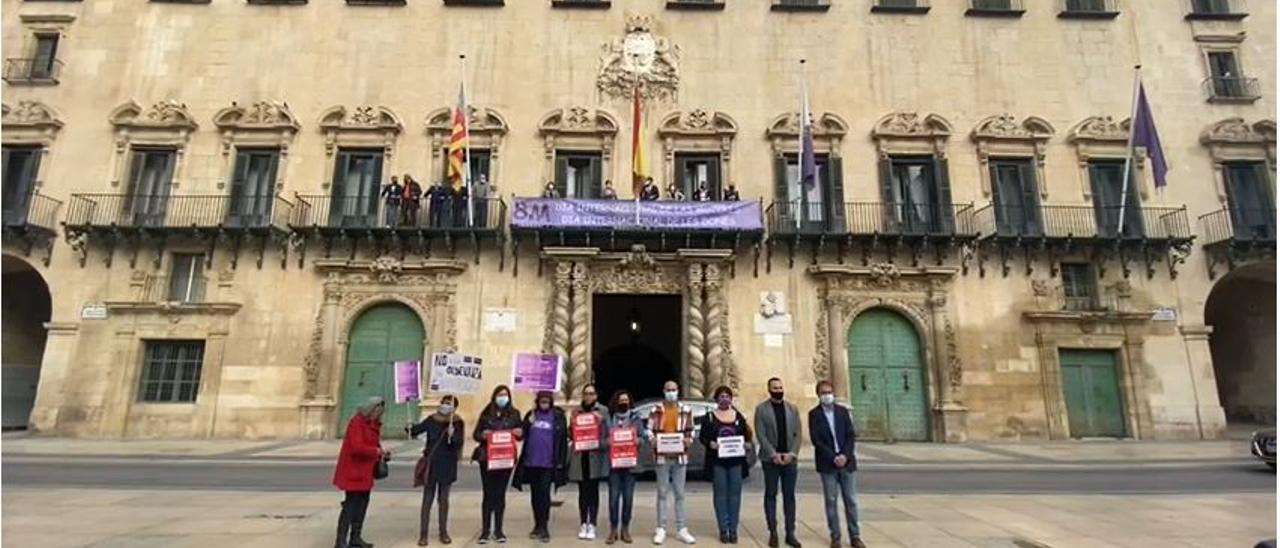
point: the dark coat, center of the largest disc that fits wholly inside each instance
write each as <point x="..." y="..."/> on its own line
<point x="361" y="449"/>
<point x="597" y="459"/>
<point x="560" y="442"/>
<point x="442" y="453"/>
<point x="506" y="419"/>
<point x="824" y="452"/>
<point x="707" y="434"/>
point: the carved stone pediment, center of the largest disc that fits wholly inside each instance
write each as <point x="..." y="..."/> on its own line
<point x="1100" y="128"/>
<point x="364" y="117"/>
<point x="639" y="61"/>
<point x="825" y="126"/>
<point x="1235" y="131"/>
<point x="579" y="119"/>
<point x="1005" y="126"/>
<point x="479" y="120"/>
<point x="911" y="133"/>
<point x="32" y="115"/>
<point x="168" y="114"/>
<point x="261" y="115"/>
<point x="697" y="122"/>
<point x="1004" y="136"/>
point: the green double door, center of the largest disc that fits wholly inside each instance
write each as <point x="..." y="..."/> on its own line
<point x="886" y="378"/>
<point x="381" y="336"/>
<point x="1092" y="392"/>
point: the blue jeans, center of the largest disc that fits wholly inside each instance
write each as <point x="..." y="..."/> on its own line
<point x="840" y="484"/>
<point x="726" y="484"/>
<point x="671" y="474"/>
<point x="622" y="488"/>
<point x="393" y="213"/>
<point x="786" y="475"/>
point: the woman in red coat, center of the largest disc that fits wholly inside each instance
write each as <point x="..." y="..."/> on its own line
<point x="361" y="449"/>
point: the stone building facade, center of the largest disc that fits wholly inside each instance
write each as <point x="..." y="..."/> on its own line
<point x="195" y="246"/>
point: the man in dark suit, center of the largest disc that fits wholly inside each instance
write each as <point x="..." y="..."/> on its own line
<point x="831" y="430"/>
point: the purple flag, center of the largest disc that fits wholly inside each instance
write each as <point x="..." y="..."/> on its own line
<point x="1145" y="135"/>
<point x="808" y="165"/>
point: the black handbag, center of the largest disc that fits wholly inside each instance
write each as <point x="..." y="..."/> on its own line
<point x="380" y="468"/>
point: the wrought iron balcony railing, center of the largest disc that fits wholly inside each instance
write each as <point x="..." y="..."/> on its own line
<point x="1255" y="226"/>
<point x="1228" y="89"/>
<point x="870" y="219"/>
<point x="32" y="210"/>
<point x="1089" y="9"/>
<point x="32" y="71"/>
<point x="178" y="211"/>
<point x="1083" y="222"/>
<point x="167" y="289"/>
<point x="371" y="212"/>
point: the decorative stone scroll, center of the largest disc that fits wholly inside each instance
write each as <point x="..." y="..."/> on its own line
<point x="486" y="129"/>
<point x="1004" y="136"/>
<point x="263" y="124"/>
<point x="639" y="61"/>
<point x="911" y="133"/>
<point x="1233" y="139"/>
<point x="366" y="126"/>
<point x="31" y="123"/>
<point x="697" y="131"/>
<point x="164" y="124"/>
<point x="578" y="128"/>
<point x="1102" y="137"/>
<point x="829" y="131"/>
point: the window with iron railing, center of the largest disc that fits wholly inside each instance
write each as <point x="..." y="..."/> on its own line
<point x="186" y="278"/>
<point x="1079" y="287"/>
<point x="1226" y="81"/>
<point x="171" y="371"/>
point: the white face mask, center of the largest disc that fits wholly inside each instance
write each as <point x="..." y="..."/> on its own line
<point x="671" y="395"/>
<point x="445" y="409"/>
<point x="827" y="399"/>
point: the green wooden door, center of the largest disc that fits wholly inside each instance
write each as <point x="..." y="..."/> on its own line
<point x="382" y="335"/>
<point x="1092" y="392"/>
<point x="887" y="383"/>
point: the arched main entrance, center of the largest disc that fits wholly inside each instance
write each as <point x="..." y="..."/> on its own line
<point x="24" y="310"/>
<point x="637" y="343"/>
<point x="382" y="335"/>
<point x="1241" y="308"/>
<point x="886" y="378"/>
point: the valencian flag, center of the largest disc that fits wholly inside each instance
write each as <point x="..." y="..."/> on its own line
<point x="639" y="170"/>
<point x="458" y="141"/>
<point x="1143" y="127"/>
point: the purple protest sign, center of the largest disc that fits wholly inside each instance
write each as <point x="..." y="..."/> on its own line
<point x="621" y="214"/>
<point x="407" y="382"/>
<point x="533" y="372"/>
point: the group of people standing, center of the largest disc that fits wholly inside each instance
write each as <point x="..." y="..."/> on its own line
<point x="446" y="205"/>
<point x="550" y="457"/>
<point x="649" y="192"/>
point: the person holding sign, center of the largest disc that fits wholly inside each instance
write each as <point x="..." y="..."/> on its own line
<point x="727" y="436"/>
<point x="624" y="431"/>
<point x="498" y="422"/>
<point x="544" y="460"/>
<point x="438" y="468"/>
<point x="590" y="461"/>
<point x="671" y="429"/>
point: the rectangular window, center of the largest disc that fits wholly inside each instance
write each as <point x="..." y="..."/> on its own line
<point x="46" y="56"/>
<point x="698" y="171"/>
<point x="1225" y="71"/>
<point x="578" y="174"/>
<point x="253" y="187"/>
<point x="807" y="203"/>
<point x="1106" y="177"/>
<point x="357" y="177"/>
<point x="1079" y="286"/>
<point x="1253" y="210"/>
<point x="21" y="164"/>
<point x="186" y="278"/>
<point x="150" y="176"/>
<point x="913" y="195"/>
<point x="1087" y="6"/>
<point x="1016" y="196"/>
<point x="480" y="166"/>
<point x="171" y="371"/>
<point x="1211" y="7"/>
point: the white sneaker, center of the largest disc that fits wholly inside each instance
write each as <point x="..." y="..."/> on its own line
<point x="659" y="536"/>
<point x="582" y="532"/>
<point x="591" y="532"/>
<point x="685" y="537"/>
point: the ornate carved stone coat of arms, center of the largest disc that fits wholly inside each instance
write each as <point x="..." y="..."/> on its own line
<point x="639" y="59"/>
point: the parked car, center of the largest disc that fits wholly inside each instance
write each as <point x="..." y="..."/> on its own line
<point x="697" y="452"/>
<point x="1264" y="446"/>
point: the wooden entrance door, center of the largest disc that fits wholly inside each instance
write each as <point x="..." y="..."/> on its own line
<point x="381" y="336"/>
<point x="886" y="378"/>
<point x="1091" y="389"/>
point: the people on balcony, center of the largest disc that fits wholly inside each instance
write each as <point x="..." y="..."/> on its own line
<point x="608" y="193"/>
<point x="731" y="194"/>
<point x="481" y="194"/>
<point x="460" y="204"/>
<point x="649" y="193"/>
<point x="550" y="191"/>
<point x="701" y="194"/>
<point x="438" y="198"/>
<point x="674" y="193"/>
<point x="393" y="193"/>
<point x="412" y="201"/>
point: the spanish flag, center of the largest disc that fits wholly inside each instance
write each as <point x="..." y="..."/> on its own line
<point x="639" y="167"/>
<point x="458" y="141"/>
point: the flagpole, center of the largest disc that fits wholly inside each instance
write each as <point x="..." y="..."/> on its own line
<point x="466" y="132"/>
<point x="1128" y="149"/>
<point x="635" y="169"/>
<point x="804" y="122"/>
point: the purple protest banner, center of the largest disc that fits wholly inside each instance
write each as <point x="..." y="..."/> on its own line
<point x="407" y="383"/>
<point x="533" y="372"/>
<point x="621" y="214"/>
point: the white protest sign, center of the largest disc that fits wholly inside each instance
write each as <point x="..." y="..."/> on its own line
<point x="731" y="446"/>
<point x="455" y="373"/>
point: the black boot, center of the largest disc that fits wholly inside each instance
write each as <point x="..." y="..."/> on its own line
<point x="344" y="526"/>
<point x="356" y="541"/>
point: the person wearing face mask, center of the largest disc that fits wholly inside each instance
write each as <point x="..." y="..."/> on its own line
<point x="777" y="423"/>
<point x="361" y="449"/>
<point x="727" y="472"/>
<point x="832" y="434"/>
<point x="671" y="418"/>
<point x="622" y="484"/>
<point x="544" y="460"/>
<point x="499" y="414"/>
<point x="588" y="467"/>
<point x="443" y="443"/>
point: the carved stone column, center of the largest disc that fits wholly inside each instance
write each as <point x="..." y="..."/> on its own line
<point x="697" y="378"/>
<point x="839" y="363"/>
<point x="948" y="366"/>
<point x="560" y="314"/>
<point x="715" y="327"/>
<point x="728" y="369"/>
<point x="579" y="369"/>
